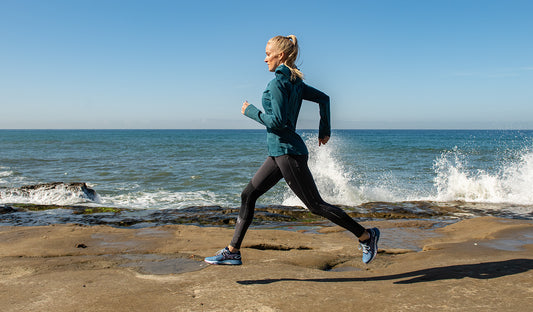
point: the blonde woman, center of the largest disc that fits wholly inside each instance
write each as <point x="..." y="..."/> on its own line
<point x="287" y="153"/>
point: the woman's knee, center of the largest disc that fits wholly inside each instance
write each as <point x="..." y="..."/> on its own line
<point x="315" y="208"/>
<point x="321" y="208"/>
<point x="248" y="193"/>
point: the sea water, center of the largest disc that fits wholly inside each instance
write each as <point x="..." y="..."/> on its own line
<point x="174" y="169"/>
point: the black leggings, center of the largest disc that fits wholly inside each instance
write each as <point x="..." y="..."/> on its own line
<point x="294" y="169"/>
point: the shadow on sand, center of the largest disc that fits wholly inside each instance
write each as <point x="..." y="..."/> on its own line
<point x="486" y="270"/>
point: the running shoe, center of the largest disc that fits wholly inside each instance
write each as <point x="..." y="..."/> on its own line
<point x="370" y="246"/>
<point x="224" y="256"/>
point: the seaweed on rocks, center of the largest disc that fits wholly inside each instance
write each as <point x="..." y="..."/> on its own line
<point x="32" y="214"/>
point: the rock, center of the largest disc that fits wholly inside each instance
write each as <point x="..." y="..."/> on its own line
<point x="78" y="188"/>
<point x="6" y="209"/>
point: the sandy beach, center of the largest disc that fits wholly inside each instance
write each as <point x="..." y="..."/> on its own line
<point x="480" y="264"/>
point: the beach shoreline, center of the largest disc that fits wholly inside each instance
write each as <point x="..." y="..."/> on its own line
<point x="478" y="264"/>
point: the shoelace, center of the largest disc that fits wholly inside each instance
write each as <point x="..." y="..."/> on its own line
<point x="227" y="254"/>
<point x="221" y="251"/>
<point x="364" y="247"/>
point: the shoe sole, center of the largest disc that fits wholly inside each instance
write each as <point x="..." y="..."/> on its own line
<point x="226" y="262"/>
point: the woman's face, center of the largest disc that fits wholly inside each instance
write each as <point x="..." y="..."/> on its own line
<point x="273" y="57"/>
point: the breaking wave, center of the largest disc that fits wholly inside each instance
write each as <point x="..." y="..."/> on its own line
<point x="510" y="183"/>
<point x="57" y="193"/>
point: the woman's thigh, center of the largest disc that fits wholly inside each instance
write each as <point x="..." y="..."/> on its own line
<point x="299" y="178"/>
<point x="267" y="175"/>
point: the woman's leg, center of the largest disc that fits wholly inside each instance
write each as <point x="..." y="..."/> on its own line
<point x="297" y="175"/>
<point x="264" y="179"/>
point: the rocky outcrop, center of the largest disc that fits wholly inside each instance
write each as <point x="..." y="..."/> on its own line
<point x="73" y="189"/>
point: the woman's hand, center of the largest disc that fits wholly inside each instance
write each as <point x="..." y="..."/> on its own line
<point x="244" y="106"/>
<point x="323" y="141"/>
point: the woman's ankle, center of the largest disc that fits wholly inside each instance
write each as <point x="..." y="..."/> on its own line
<point x="233" y="249"/>
<point x="364" y="237"/>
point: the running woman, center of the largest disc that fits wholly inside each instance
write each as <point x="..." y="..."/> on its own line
<point x="287" y="152"/>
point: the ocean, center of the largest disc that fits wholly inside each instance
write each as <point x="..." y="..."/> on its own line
<point x="483" y="171"/>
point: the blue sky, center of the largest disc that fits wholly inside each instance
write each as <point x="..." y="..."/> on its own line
<point x="190" y="64"/>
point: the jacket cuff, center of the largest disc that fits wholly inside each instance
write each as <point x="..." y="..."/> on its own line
<point x="323" y="134"/>
<point x="252" y="112"/>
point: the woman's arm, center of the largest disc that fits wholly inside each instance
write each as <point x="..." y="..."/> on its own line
<point x="278" y="102"/>
<point x="314" y="95"/>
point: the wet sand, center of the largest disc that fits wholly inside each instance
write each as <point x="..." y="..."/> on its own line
<point x="480" y="264"/>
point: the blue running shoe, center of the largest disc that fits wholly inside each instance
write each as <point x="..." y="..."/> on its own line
<point x="370" y="246"/>
<point x="224" y="256"/>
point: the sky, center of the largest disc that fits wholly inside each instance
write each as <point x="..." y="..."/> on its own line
<point x="404" y="64"/>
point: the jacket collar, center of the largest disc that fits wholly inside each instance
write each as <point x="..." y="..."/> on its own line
<point x="284" y="72"/>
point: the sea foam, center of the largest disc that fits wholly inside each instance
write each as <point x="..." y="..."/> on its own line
<point x="161" y="199"/>
<point x="56" y="193"/>
<point x="510" y="183"/>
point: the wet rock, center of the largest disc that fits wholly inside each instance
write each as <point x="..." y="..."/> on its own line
<point x="6" y="209"/>
<point x="78" y="189"/>
<point x="29" y="214"/>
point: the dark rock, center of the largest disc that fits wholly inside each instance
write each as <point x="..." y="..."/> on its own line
<point x="30" y="214"/>
<point x="79" y="188"/>
<point x="6" y="209"/>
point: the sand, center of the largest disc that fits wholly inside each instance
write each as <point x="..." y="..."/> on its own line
<point x="480" y="264"/>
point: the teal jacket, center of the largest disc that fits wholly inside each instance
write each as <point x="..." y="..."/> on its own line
<point x="282" y="101"/>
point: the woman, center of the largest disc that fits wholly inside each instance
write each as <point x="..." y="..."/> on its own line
<point x="287" y="152"/>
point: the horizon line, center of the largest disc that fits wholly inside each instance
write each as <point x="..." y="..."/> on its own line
<point x="252" y="129"/>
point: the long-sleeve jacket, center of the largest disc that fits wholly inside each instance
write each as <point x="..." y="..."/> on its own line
<point x="282" y="101"/>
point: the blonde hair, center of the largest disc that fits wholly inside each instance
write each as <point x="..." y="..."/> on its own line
<point x="289" y="46"/>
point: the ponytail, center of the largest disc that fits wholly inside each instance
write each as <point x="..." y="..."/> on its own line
<point x="289" y="46"/>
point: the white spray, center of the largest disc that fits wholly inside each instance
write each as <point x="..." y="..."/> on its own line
<point x="512" y="183"/>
